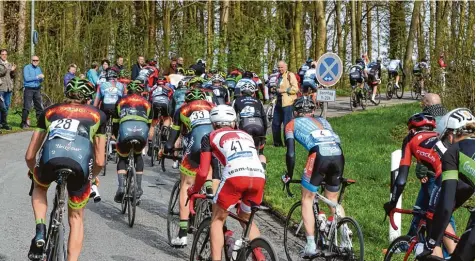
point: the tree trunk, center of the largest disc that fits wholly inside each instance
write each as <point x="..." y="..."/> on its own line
<point x="210" y="15"/>
<point x="462" y="25"/>
<point x="369" y="30"/>
<point x="354" y="34"/>
<point x="166" y="26"/>
<point x="2" y="24"/>
<point x="442" y="11"/>
<point x="421" y="38"/>
<point x="470" y="31"/>
<point x="20" y="48"/>
<point x="321" y="29"/>
<point x="411" y="37"/>
<point x="340" y="45"/>
<point x="224" y="13"/>
<point x="298" y="32"/>
<point x="152" y="29"/>
<point x="397" y="29"/>
<point x="431" y="27"/>
<point x="452" y="45"/>
<point x="358" y="23"/>
<point x="378" y="30"/>
<point x="292" y="46"/>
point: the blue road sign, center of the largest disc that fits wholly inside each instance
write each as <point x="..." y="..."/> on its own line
<point x="329" y="69"/>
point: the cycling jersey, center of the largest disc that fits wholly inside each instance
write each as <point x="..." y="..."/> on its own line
<point x="309" y="81"/>
<point x="273" y="80"/>
<point x="109" y="94"/>
<point x="252" y="119"/>
<point x="221" y="94"/>
<point x="193" y="121"/>
<point x="178" y="98"/>
<point x="70" y="128"/>
<point x="374" y="71"/>
<point x="426" y="148"/>
<point x="133" y="113"/>
<point x="303" y="70"/>
<point x="149" y="75"/>
<point x="395" y="65"/>
<point x="356" y="74"/>
<point x="457" y="187"/>
<point x="239" y="181"/>
<point x="161" y="97"/>
<point x="325" y="160"/>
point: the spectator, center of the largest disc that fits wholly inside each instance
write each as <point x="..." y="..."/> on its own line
<point x="199" y="67"/>
<point x="102" y="74"/>
<point x="283" y="111"/>
<point x="70" y="74"/>
<point x="32" y="79"/>
<point x="119" y="66"/>
<point x="172" y="69"/>
<point x="180" y="62"/>
<point x="137" y="67"/>
<point x="441" y="61"/>
<point x="431" y="104"/>
<point x="93" y="73"/>
<point x="6" y="88"/>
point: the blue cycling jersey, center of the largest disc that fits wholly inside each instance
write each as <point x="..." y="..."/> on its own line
<point x="110" y="94"/>
<point x="310" y="132"/>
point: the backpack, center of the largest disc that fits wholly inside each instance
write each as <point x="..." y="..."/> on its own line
<point x="355" y="72"/>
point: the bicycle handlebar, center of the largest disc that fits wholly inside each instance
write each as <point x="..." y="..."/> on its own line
<point x="403" y="211"/>
<point x="192" y="199"/>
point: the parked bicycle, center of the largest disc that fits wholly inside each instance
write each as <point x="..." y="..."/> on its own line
<point x="129" y="200"/>
<point x="392" y="87"/>
<point x="416" y="90"/>
<point x="339" y="239"/>
<point x="271" y="105"/>
<point x="243" y="248"/>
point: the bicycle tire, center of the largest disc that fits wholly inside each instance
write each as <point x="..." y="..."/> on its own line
<point x="353" y="100"/>
<point x="173" y="218"/>
<point x="390" y="90"/>
<point x="378" y="97"/>
<point x="155" y="139"/>
<point x="344" y="251"/>
<point x="363" y="98"/>
<point x="399" y="249"/>
<point x="263" y="244"/>
<point x="131" y="210"/>
<point x="108" y="140"/>
<point x="203" y="231"/>
<point x="399" y="92"/>
<point x="125" y="201"/>
<point x="60" y="254"/>
<point x="202" y="211"/>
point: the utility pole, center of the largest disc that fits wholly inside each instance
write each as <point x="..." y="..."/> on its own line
<point x="32" y="25"/>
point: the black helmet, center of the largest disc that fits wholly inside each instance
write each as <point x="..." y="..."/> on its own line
<point x="359" y="60"/>
<point x="111" y="74"/>
<point x="181" y="71"/>
<point x="79" y="89"/>
<point x="303" y="104"/>
<point x="248" y="75"/>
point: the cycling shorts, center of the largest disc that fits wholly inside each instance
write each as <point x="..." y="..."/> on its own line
<point x="354" y="81"/>
<point x="161" y="105"/>
<point x="465" y="247"/>
<point x="191" y="153"/>
<point x="254" y="127"/>
<point x="308" y="86"/>
<point x="76" y="155"/>
<point x="233" y="189"/>
<point x="324" y="163"/>
<point x="108" y="109"/>
<point x="372" y="78"/>
<point x="130" y="130"/>
<point x="393" y="73"/>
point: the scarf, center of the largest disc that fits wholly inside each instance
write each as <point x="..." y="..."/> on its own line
<point x="435" y="110"/>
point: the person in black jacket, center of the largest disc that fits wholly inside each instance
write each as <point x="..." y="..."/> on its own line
<point x="137" y="67"/>
<point x="199" y="67"/>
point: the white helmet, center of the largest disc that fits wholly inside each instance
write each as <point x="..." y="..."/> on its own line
<point x="454" y="120"/>
<point x="223" y="114"/>
<point x="248" y="87"/>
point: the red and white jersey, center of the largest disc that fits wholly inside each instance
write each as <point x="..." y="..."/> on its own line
<point x="236" y="151"/>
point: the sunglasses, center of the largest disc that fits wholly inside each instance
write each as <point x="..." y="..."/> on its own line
<point x="35" y="60"/>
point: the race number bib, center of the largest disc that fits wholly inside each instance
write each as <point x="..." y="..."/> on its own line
<point x="217" y="92"/>
<point x="200" y="117"/>
<point x="64" y="129"/>
<point x="158" y="91"/>
<point x="322" y="135"/>
<point x="248" y="111"/>
<point x="209" y="98"/>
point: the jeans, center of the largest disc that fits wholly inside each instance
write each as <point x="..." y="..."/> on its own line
<point x="3" y="110"/>
<point x="31" y="95"/>
<point x="282" y="115"/>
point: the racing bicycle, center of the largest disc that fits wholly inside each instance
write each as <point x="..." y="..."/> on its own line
<point x="129" y="200"/>
<point x="109" y="144"/>
<point x="342" y="239"/>
<point x="392" y="87"/>
<point x="161" y="134"/>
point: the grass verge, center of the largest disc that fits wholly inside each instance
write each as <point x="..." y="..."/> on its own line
<point x="368" y="139"/>
<point x="14" y="120"/>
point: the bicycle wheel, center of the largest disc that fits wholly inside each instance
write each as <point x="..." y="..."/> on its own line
<point x="108" y="140"/>
<point x="201" y="249"/>
<point x="45" y="100"/>
<point x="399" y="249"/>
<point x="347" y="240"/>
<point x="173" y="215"/>
<point x="131" y="209"/>
<point x="390" y="89"/>
<point x="414" y="91"/>
<point x="60" y="250"/>
<point x="125" y="200"/>
<point x="399" y="92"/>
<point x="203" y="209"/>
<point x="378" y="97"/>
<point x="363" y="98"/>
<point x="153" y="147"/>
<point x="353" y="100"/>
<point x="270" y="112"/>
<point x="260" y="248"/>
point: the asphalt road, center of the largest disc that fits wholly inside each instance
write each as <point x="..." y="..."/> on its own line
<point x="107" y="234"/>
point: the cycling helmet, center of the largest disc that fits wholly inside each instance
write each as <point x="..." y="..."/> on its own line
<point x="248" y="88"/>
<point x="455" y="120"/>
<point x="201" y="61"/>
<point x="223" y="74"/>
<point x="196" y="80"/>
<point x="152" y="62"/>
<point x="190" y="72"/>
<point x="217" y="78"/>
<point x="162" y="81"/>
<point x="275" y="70"/>
<point x="194" y="94"/>
<point x="135" y="87"/>
<point x="181" y="71"/>
<point x="111" y="74"/>
<point x="248" y="75"/>
<point x="223" y="115"/>
<point x="79" y="89"/>
<point x="359" y="60"/>
<point x="213" y="71"/>
<point x="421" y="121"/>
<point x="303" y="105"/>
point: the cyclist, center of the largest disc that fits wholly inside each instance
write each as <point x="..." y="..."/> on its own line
<point x="73" y="136"/>
<point x="160" y="96"/>
<point x="197" y="83"/>
<point x="310" y="83"/>
<point x="374" y="75"/>
<point x="325" y="161"/>
<point x="457" y="186"/>
<point x="395" y="68"/>
<point x="304" y="68"/>
<point x="132" y="119"/>
<point x="422" y="142"/>
<point x="246" y="183"/>
<point x="246" y="77"/>
<point x="220" y="91"/>
<point x="178" y="99"/>
<point x="193" y="121"/>
<point x="109" y="93"/>
<point x="357" y="74"/>
<point x="421" y="71"/>
<point x="252" y="117"/>
<point x="148" y="74"/>
<point x="103" y="72"/>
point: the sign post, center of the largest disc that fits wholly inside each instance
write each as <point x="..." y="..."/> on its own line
<point x="328" y="72"/>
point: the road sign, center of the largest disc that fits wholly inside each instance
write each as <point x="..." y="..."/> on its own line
<point x="329" y="69"/>
<point x="326" y="95"/>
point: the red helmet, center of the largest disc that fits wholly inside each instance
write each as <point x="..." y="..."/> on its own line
<point x="162" y="81"/>
<point x="421" y="121"/>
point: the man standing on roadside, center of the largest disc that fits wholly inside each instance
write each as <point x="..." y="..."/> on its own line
<point x="119" y="66"/>
<point x="283" y="111"/>
<point x="32" y="79"/>
<point x="6" y="87"/>
<point x="137" y="67"/>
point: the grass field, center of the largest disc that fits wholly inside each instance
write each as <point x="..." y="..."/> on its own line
<point x="14" y="120"/>
<point x="368" y="139"/>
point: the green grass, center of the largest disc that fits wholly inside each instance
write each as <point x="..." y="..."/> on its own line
<point x="368" y="139"/>
<point x="14" y="120"/>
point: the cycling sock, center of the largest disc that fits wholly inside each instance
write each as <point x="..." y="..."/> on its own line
<point x="208" y="187"/>
<point x="373" y="96"/>
<point x="139" y="181"/>
<point x="310" y="240"/>
<point x="120" y="179"/>
<point x="264" y="165"/>
<point x="183" y="224"/>
<point x="39" y="221"/>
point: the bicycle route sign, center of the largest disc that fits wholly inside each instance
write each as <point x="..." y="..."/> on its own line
<point x="329" y="69"/>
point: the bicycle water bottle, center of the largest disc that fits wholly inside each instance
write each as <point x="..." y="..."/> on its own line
<point x="236" y="248"/>
<point x="230" y="242"/>
<point x="328" y="224"/>
<point x="419" y="247"/>
<point x="321" y="218"/>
